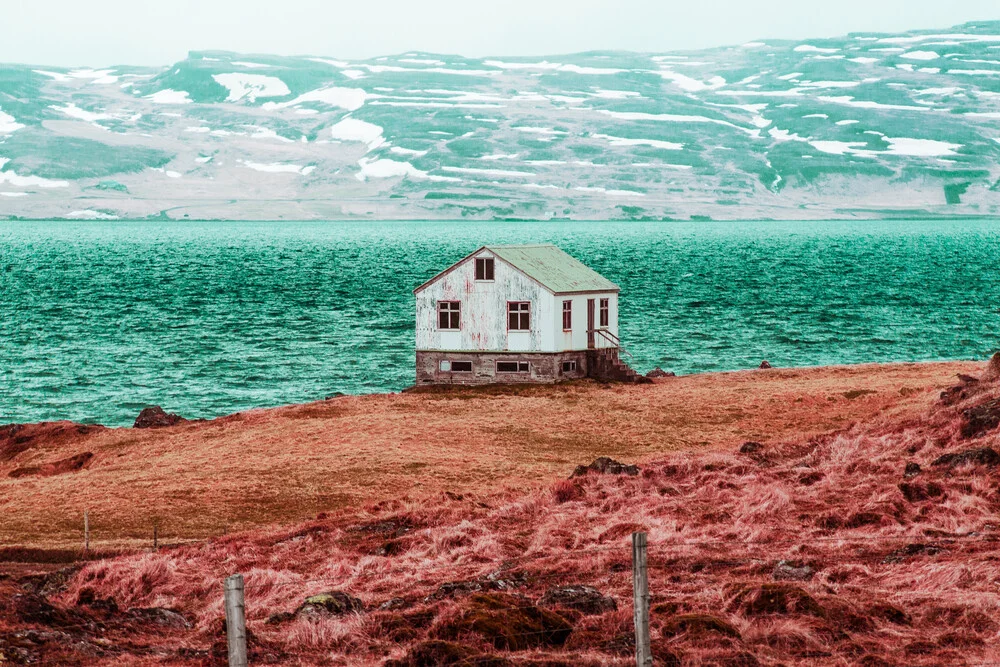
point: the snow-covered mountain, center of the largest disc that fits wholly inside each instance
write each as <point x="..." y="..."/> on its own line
<point x="867" y="125"/>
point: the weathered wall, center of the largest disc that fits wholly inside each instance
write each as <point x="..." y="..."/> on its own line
<point x="484" y="311"/>
<point x="577" y="338"/>
<point x="544" y="367"/>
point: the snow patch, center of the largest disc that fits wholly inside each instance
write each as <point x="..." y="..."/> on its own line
<point x="168" y="96"/>
<point x="91" y="215"/>
<point x="921" y="147"/>
<point x="921" y="55"/>
<point x="344" y="98"/>
<point x="385" y="168"/>
<point x="352" y="129"/>
<point x="691" y="85"/>
<point x="809" y="48"/>
<point x="864" y="60"/>
<point x="251" y="86"/>
<point x="279" y="168"/>
<point x="8" y="125"/>
<point x="610" y="193"/>
<point x="655" y="143"/>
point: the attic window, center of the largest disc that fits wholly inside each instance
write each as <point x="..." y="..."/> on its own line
<point x="519" y="315"/>
<point x="484" y="268"/>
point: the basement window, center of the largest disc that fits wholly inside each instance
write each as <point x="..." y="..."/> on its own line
<point x="484" y="268"/>
<point x="519" y="315"/>
<point x="461" y="367"/>
<point x="569" y="366"/>
<point x="513" y="367"/>
<point x="450" y="315"/>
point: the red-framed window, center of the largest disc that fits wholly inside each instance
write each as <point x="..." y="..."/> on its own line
<point x="484" y="268"/>
<point x="567" y="315"/>
<point x="519" y="315"/>
<point x="605" y="312"/>
<point x="450" y="315"/>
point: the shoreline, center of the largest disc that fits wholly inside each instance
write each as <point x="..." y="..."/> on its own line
<point x="276" y="466"/>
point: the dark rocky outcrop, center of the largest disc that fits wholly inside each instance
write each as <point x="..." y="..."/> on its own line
<point x="980" y="419"/>
<point x="156" y="417"/>
<point x="785" y="571"/>
<point x="765" y="365"/>
<point x="984" y="456"/>
<point x="161" y="616"/>
<point x="751" y="448"/>
<point x="437" y="652"/>
<point x="912" y="470"/>
<point x="911" y="551"/>
<point x="71" y="464"/>
<point x="606" y="466"/>
<point x="331" y="603"/>
<point x="508" y="622"/>
<point x="584" y="599"/>
<point x="775" y="599"/>
<point x="660" y="373"/>
<point x="992" y="372"/>
<point x="698" y="624"/>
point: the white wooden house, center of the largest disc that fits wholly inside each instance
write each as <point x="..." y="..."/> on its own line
<point x="527" y="313"/>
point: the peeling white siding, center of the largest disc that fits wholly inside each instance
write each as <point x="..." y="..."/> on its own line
<point x="484" y="312"/>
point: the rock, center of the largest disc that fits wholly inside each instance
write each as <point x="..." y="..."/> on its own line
<point x="992" y="372"/>
<point x="984" y="456"/>
<point x="438" y="652"/>
<point x="393" y="604"/>
<point x="660" y="373"/>
<point x="784" y="571"/>
<point x="967" y="379"/>
<point x="912" y="470"/>
<point x="71" y="464"/>
<point x="156" y="417"/>
<point x="916" y="492"/>
<point x="751" y="448"/>
<point x="775" y="599"/>
<point x="911" y="551"/>
<point x="508" y="622"/>
<point x="584" y="599"/>
<point x="981" y="418"/>
<point x="279" y="618"/>
<point x="167" y="618"/>
<point x="698" y="624"/>
<point x="331" y="603"/>
<point x="765" y="364"/>
<point x="606" y="466"/>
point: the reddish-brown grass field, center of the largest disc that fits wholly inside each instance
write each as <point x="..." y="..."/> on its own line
<point x="277" y="466"/>
<point x="861" y="531"/>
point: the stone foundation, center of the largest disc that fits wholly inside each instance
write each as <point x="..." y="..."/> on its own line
<point x="542" y="367"/>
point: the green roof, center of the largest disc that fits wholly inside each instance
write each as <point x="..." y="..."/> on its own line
<point x="555" y="269"/>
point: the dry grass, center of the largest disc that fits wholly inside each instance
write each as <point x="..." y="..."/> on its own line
<point x="277" y="466"/>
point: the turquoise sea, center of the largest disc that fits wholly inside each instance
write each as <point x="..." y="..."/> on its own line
<point x="100" y="319"/>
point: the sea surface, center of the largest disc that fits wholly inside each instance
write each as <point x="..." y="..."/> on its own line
<point x="99" y="319"/>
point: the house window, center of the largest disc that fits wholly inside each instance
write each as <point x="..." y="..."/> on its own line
<point x="484" y="268"/>
<point x="605" y="308"/>
<point x="519" y="315"/>
<point x="456" y="366"/>
<point x="450" y="315"/>
<point x="569" y="366"/>
<point x="513" y="367"/>
<point x="567" y="315"/>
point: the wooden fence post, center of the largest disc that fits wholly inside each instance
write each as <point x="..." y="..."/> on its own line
<point x="640" y="601"/>
<point x="236" y="629"/>
<point x="156" y="530"/>
<point x="86" y="531"/>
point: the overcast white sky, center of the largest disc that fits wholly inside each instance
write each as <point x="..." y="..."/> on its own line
<point x="140" y="32"/>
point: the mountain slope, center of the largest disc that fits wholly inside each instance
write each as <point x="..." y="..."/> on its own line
<point x="865" y="125"/>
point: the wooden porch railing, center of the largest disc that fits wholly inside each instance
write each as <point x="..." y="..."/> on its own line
<point x="614" y="340"/>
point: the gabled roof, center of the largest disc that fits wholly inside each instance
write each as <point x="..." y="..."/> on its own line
<point x="555" y="269"/>
<point x="546" y="264"/>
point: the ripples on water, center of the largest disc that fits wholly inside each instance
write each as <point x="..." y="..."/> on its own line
<point x="99" y="319"/>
